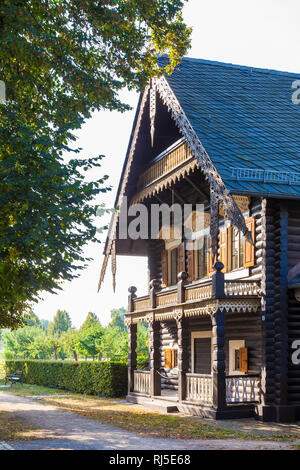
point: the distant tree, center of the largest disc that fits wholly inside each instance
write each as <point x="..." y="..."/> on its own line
<point x="70" y="342"/>
<point x="117" y="318"/>
<point x="89" y="340"/>
<point x="44" y="323"/>
<point x="91" y="319"/>
<point x="19" y="342"/>
<point x="56" y="346"/>
<point x="33" y="320"/>
<point x="61" y="323"/>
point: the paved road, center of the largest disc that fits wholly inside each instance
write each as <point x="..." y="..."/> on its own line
<point x="67" y="430"/>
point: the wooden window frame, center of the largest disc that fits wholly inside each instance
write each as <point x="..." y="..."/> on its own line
<point x="233" y="346"/>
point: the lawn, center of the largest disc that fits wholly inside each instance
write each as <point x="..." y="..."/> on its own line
<point x="135" y="419"/>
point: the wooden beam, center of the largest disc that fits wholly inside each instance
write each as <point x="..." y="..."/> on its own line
<point x="203" y="194"/>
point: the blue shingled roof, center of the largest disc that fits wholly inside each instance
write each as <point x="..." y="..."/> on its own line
<point x="245" y="118"/>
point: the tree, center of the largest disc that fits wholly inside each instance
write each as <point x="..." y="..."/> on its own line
<point x="90" y="320"/>
<point x="117" y="318"/>
<point x="89" y="340"/>
<point x="60" y="324"/>
<point x="70" y="342"/>
<point x="33" y="320"/>
<point x="61" y="60"/>
<point x="19" y="342"/>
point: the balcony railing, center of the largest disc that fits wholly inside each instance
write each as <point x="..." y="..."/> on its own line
<point x="166" y="162"/>
<point x="195" y="292"/>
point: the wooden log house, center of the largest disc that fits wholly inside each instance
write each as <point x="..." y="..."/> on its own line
<point x="224" y="319"/>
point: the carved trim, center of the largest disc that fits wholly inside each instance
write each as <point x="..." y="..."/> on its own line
<point x="201" y="308"/>
<point x="113" y="224"/>
<point x="178" y="314"/>
<point x="152" y="113"/>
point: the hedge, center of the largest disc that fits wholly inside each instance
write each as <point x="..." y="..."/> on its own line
<point x="2" y="370"/>
<point x="108" y="379"/>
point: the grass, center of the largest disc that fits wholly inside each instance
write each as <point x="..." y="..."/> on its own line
<point x="137" y="420"/>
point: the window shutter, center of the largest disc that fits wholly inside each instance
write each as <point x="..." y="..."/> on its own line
<point x="229" y="248"/>
<point x="248" y="248"/>
<point x="168" y="358"/>
<point x="244" y="360"/>
<point x="191" y="265"/>
<point x="223" y="248"/>
<point x="174" y="358"/>
<point x="164" y="267"/>
<point x="181" y="257"/>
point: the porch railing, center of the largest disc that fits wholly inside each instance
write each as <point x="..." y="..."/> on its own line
<point x="142" y="381"/>
<point x="242" y="389"/>
<point x="199" y="388"/>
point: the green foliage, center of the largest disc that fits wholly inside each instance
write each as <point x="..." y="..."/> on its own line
<point x="23" y="341"/>
<point x="107" y="379"/>
<point x="89" y="340"/>
<point x="60" y="61"/>
<point x="117" y="318"/>
<point x="2" y="370"/>
<point x="90" y="320"/>
<point x="61" y="323"/>
<point x="61" y="341"/>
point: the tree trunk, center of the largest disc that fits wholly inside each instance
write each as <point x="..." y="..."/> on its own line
<point x="55" y="353"/>
<point x="75" y="355"/>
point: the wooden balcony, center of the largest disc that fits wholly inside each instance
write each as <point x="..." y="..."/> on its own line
<point x="195" y="299"/>
<point x="166" y="168"/>
<point x="164" y="163"/>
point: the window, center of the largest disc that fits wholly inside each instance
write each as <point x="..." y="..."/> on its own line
<point x="202" y="258"/>
<point x="238" y="357"/>
<point x="198" y="259"/>
<point x="237" y="250"/>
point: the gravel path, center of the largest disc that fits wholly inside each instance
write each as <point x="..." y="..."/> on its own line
<point x="67" y="430"/>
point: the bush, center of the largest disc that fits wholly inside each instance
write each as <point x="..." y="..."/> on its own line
<point x="107" y="379"/>
<point x="2" y="370"/>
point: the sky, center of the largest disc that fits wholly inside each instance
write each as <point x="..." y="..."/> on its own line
<point x="258" y="33"/>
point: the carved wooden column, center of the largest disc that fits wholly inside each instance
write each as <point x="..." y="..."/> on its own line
<point x="155" y="358"/>
<point x="182" y="337"/>
<point x="218" y="341"/>
<point x="132" y="340"/>
<point x="132" y="356"/>
<point x="183" y="357"/>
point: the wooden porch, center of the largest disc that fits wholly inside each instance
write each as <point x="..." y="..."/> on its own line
<point x="218" y="394"/>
